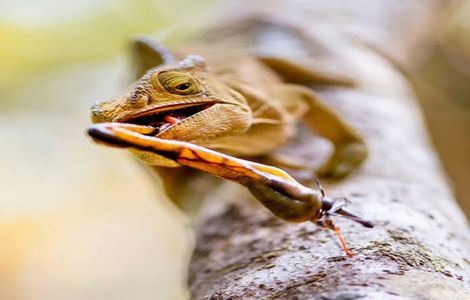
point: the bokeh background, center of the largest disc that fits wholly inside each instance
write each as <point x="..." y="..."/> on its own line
<point x="79" y="221"/>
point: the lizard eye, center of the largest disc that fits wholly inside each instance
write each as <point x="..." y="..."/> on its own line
<point x="178" y="83"/>
<point x="183" y="86"/>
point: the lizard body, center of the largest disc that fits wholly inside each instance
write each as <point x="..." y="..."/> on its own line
<point x="238" y="103"/>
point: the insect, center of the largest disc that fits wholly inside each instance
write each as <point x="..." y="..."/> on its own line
<point x="205" y="115"/>
<point x="275" y="189"/>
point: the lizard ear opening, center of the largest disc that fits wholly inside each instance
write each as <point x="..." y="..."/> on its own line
<point x="147" y="54"/>
<point x="193" y="62"/>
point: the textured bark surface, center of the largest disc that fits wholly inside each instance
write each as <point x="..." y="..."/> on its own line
<point x="419" y="247"/>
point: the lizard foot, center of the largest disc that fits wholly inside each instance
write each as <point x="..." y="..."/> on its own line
<point x="345" y="159"/>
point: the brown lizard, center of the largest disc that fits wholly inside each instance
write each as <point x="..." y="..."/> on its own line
<point x="197" y="108"/>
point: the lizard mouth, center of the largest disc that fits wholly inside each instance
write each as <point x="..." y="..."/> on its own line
<point x="162" y="118"/>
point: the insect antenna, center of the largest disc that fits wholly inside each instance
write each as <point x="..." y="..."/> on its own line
<point x="320" y="187"/>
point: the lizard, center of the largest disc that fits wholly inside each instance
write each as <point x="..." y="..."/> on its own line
<point x="192" y="107"/>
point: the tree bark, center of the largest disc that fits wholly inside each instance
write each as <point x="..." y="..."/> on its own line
<point x="419" y="248"/>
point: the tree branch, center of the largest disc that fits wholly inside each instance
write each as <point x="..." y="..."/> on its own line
<point x="419" y="247"/>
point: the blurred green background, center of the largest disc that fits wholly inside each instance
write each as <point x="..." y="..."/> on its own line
<point x="79" y="221"/>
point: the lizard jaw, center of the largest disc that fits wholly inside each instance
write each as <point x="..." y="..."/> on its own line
<point x="163" y="117"/>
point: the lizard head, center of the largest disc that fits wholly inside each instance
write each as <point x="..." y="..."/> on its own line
<point x="183" y="101"/>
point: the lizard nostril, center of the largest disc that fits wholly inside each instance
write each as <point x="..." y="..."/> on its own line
<point x="139" y="100"/>
<point x="143" y="100"/>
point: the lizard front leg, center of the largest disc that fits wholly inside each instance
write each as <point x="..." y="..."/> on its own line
<point x="349" y="147"/>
